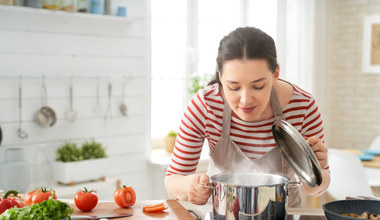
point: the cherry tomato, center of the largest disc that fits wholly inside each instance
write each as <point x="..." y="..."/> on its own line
<point x="125" y="196"/>
<point x="42" y="195"/>
<point x="86" y="200"/>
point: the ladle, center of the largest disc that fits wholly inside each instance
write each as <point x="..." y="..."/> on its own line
<point x="21" y="132"/>
<point x="71" y="114"/>
<point x="108" y="114"/>
<point x="98" y="106"/>
<point x="123" y="106"/>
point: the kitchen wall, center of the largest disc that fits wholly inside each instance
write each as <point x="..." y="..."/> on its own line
<point x="352" y="96"/>
<point x="86" y="50"/>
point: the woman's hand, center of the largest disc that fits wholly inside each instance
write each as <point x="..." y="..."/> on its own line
<point x="319" y="149"/>
<point x="195" y="193"/>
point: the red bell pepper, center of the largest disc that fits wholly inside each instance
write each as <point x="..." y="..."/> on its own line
<point x="8" y="203"/>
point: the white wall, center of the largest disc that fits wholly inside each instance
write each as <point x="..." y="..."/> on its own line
<point x="353" y="96"/>
<point x="58" y="45"/>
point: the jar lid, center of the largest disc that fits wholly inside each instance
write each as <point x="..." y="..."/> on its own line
<point x="297" y="152"/>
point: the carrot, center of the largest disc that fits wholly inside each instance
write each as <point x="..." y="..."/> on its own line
<point x="155" y="208"/>
<point x="151" y="206"/>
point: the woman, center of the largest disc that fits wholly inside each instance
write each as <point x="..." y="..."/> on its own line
<point x="235" y="114"/>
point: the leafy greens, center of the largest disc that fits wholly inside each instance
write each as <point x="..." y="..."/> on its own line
<point x="47" y="210"/>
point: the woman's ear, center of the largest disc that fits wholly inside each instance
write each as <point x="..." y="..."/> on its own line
<point x="276" y="73"/>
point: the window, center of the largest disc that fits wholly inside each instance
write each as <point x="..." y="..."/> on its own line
<point x="185" y="43"/>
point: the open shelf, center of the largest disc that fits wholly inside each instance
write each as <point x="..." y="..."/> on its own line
<point x="66" y="13"/>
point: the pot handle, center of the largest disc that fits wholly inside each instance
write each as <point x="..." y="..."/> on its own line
<point x="294" y="185"/>
<point x="206" y="186"/>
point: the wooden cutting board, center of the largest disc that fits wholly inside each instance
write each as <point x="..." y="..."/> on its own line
<point x="175" y="210"/>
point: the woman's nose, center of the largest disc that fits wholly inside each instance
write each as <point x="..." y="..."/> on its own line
<point x="245" y="96"/>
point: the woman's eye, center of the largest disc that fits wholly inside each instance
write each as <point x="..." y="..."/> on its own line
<point x="234" y="88"/>
<point x="258" y="88"/>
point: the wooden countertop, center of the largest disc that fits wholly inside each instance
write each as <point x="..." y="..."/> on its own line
<point x="375" y="163"/>
<point x="175" y="210"/>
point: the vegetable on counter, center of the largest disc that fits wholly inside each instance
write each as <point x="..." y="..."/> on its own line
<point x="86" y="200"/>
<point x="46" y="210"/>
<point x="8" y="202"/>
<point x="125" y="197"/>
<point x="155" y="208"/>
<point x="40" y="195"/>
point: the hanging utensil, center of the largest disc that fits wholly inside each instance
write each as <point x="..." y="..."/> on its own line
<point x="21" y="132"/>
<point x="46" y="116"/>
<point x="108" y="114"/>
<point x="71" y="114"/>
<point x="98" y="109"/>
<point x="123" y="106"/>
<point x="1" y="135"/>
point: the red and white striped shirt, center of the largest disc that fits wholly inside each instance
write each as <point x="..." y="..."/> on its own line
<point x="203" y="119"/>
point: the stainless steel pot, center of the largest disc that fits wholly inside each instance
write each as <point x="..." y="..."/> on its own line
<point x="249" y="196"/>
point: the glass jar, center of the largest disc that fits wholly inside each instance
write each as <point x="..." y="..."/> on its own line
<point x="82" y="6"/>
<point x="18" y="2"/>
<point x="97" y="6"/>
<point x="33" y="3"/>
<point x="68" y="5"/>
<point x="50" y="4"/>
<point x="6" y="2"/>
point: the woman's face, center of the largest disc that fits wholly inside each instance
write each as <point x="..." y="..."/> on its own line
<point x="246" y="86"/>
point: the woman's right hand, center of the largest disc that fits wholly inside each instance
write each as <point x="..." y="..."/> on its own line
<point x="197" y="194"/>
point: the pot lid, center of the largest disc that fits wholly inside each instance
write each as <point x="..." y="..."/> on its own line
<point x="297" y="152"/>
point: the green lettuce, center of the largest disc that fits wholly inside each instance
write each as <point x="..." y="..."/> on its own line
<point x="49" y="209"/>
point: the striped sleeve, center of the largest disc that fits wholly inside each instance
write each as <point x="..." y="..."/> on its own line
<point x="313" y="124"/>
<point x="190" y="138"/>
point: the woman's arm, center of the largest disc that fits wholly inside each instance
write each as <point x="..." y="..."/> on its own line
<point x="313" y="130"/>
<point x="181" y="182"/>
<point x="187" y="188"/>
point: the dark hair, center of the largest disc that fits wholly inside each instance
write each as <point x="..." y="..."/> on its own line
<point x="245" y="43"/>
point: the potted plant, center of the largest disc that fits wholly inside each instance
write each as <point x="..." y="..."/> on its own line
<point x="170" y="141"/>
<point x="73" y="164"/>
<point x="198" y="82"/>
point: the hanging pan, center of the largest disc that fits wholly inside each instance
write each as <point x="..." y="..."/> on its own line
<point x="45" y="116"/>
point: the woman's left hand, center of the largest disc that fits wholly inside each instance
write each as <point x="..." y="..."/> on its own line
<point x="319" y="149"/>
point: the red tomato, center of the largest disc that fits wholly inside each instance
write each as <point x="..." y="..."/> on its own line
<point x="28" y="199"/>
<point x="42" y="195"/>
<point x="125" y="196"/>
<point x="86" y="200"/>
